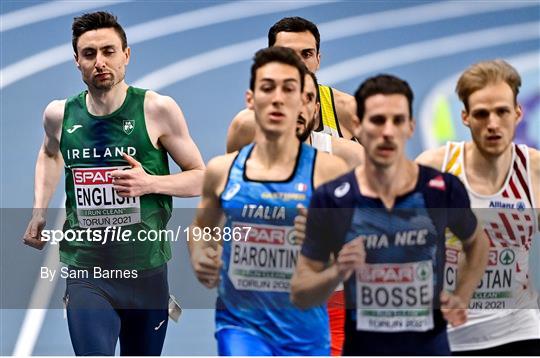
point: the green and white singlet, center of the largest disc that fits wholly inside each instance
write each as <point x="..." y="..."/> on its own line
<point x="92" y="147"/>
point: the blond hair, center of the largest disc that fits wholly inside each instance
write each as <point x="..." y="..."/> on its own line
<point x="485" y="73"/>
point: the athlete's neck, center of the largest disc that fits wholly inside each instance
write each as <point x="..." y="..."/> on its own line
<point x="387" y="183"/>
<point x="102" y="103"/>
<point x="270" y="151"/>
<point x="486" y="174"/>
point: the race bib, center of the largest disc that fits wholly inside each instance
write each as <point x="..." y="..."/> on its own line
<point x="264" y="260"/>
<point x="497" y="289"/>
<point x="395" y="297"/>
<point x="98" y="204"/>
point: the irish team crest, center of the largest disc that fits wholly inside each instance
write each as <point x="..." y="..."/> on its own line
<point x="129" y="124"/>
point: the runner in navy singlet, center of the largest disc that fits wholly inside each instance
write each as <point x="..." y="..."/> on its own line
<point x="385" y="223"/>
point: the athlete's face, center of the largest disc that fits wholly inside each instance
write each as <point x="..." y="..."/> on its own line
<point x="310" y="110"/>
<point x="492" y="118"/>
<point x="385" y="128"/>
<point x="276" y="99"/>
<point x="305" y="46"/>
<point x="100" y="58"/>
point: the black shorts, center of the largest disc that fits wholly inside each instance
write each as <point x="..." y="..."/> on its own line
<point x="101" y="311"/>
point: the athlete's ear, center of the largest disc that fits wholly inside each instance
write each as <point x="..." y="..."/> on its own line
<point x="357" y="126"/>
<point x="249" y="99"/>
<point x="519" y="112"/>
<point x="412" y="126"/>
<point x="127" y="52"/>
<point x="465" y="117"/>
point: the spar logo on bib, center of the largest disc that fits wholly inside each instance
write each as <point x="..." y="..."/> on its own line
<point x="93" y="176"/>
<point x="98" y="204"/>
<point x="270" y="234"/>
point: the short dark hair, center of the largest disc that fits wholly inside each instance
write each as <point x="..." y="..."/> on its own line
<point x="382" y="84"/>
<point x="277" y="54"/>
<point x="94" y="21"/>
<point x="293" y="24"/>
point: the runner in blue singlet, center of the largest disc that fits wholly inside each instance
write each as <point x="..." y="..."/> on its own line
<point x="258" y="190"/>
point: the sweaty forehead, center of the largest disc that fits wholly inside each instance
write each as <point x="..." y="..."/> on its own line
<point x="296" y="40"/>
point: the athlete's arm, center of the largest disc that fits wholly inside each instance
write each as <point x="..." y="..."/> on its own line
<point x="433" y="158"/>
<point x="48" y="171"/>
<point x="471" y="269"/>
<point x="463" y="223"/>
<point x="346" y="112"/>
<point x="534" y="159"/>
<point x="351" y="152"/>
<point x="241" y="131"/>
<point x="328" y="167"/>
<point x="313" y="281"/>
<point x="166" y="127"/>
<point x="206" y="255"/>
<point x="534" y="254"/>
<point x="315" y="278"/>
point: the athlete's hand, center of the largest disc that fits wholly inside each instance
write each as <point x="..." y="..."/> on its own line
<point x="131" y="182"/>
<point x="206" y="262"/>
<point x="32" y="235"/>
<point x="351" y="257"/>
<point x="453" y="308"/>
<point x="300" y="225"/>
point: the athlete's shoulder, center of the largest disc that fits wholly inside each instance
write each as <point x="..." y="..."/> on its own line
<point x="351" y="152"/>
<point x="345" y="107"/>
<point x="433" y="158"/>
<point x="429" y="176"/>
<point x="534" y="160"/>
<point x="221" y="164"/>
<point x="343" y="97"/>
<point x="217" y="171"/>
<point x="241" y="130"/>
<point x="344" y="102"/>
<point x="244" y="122"/>
<point x="54" y="112"/>
<point x="244" y="117"/>
<point x="328" y="167"/>
<point x="337" y="193"/>
<point x="442" y="189"/>
<point x="158" y="103"/>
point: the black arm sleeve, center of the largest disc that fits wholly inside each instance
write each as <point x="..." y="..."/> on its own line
<point x="318" y="231"/>
<point x="461" y="219"/>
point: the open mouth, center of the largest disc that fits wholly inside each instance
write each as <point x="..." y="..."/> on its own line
<point x="493" y="138"/>
<point x="276" y="116"/>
